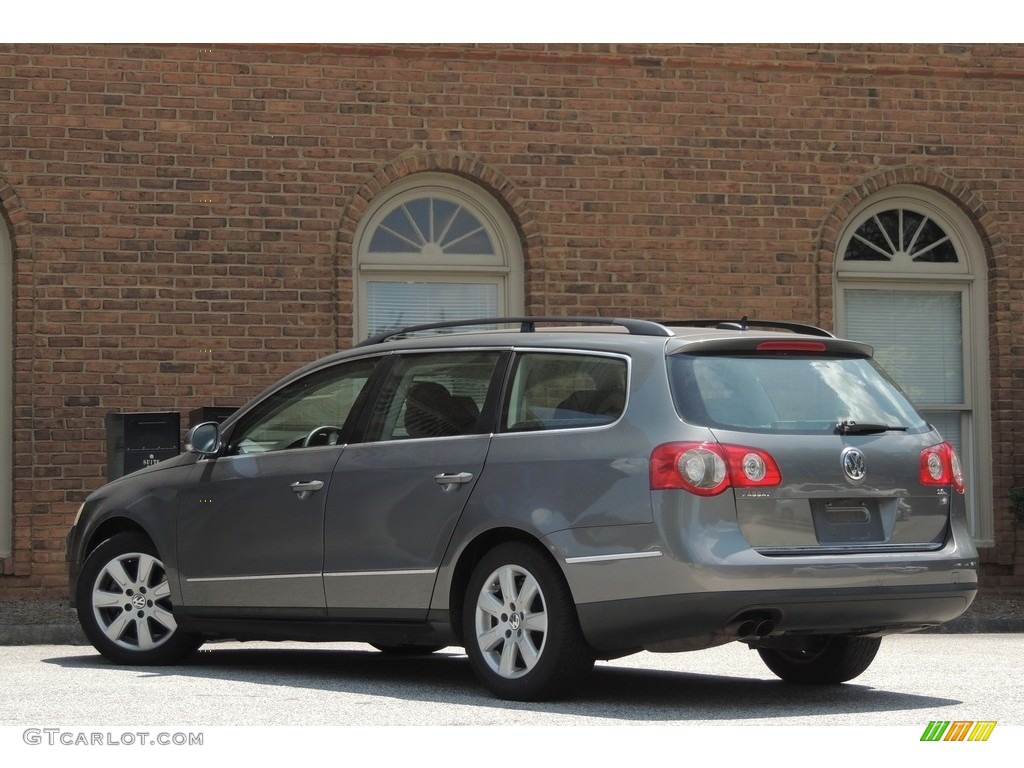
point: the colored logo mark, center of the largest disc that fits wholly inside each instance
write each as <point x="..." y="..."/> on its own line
<point x="958" y="730"/>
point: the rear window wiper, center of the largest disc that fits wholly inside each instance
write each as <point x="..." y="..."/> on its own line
<point x="851" y="427"/>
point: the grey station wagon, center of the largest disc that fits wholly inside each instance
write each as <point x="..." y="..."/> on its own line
<point x="545" y="493"/>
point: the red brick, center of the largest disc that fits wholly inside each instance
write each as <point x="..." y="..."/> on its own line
<point x="154" y="193"/>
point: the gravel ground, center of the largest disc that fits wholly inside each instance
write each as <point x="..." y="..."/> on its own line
<point x="36" y="612"/>
<point x="29" y="622"/>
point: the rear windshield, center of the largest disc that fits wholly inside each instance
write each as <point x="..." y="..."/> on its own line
<point x="793" y="393"/>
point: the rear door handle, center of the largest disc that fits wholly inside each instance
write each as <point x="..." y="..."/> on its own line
<point x="305" y="488"/>
<point x="451" y="481"/>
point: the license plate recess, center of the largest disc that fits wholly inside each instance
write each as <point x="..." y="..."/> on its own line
<point x="847" y="521"/>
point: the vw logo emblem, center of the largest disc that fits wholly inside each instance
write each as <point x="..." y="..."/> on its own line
<point x="854" y="465"/>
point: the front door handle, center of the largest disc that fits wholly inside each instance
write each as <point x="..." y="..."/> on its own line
<point x="304" y="489"/>
<point x="450" y="481"/>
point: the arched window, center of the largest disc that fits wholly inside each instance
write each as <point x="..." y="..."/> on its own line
<point x="910" y="280"/>
<point x="435" y="247"/>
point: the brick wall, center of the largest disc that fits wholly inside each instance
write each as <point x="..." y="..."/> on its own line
<point x="182" y="217"/>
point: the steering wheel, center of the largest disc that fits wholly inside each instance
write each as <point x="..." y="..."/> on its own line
<point x="325" y="435"/>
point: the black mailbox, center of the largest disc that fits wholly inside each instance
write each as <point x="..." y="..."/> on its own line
<point x="137" y="440"/>
<point x="209" y="413"/>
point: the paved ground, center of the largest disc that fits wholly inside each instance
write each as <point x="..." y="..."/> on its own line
<point x="915" y="679"/>
<point x="56" y="689"/>
<point x="276" y="703"/>
<point x="32" y="622"/>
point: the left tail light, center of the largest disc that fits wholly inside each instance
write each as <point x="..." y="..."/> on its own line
<point x="709" y="468"/>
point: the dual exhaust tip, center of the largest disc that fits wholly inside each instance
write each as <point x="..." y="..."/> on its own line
<point x="753" y="626"/>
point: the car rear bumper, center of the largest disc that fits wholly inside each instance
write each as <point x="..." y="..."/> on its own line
<point x="715" y="589"/>
<point x="695" y="621"/>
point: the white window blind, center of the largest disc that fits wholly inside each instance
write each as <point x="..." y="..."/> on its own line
<point x="918" y="339"/>
<point x="392" y="304"/>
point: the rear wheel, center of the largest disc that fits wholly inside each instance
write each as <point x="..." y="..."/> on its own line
<point x="520" y="626"/>
<point x="823" y="660"/>
<point x="124" y="604"/>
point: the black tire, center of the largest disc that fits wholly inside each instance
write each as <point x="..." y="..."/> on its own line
<point x="827" y="659"/>
<point x="520" y="626"/>
<point x="407" y="650"/>
<point x="124" y="604"/>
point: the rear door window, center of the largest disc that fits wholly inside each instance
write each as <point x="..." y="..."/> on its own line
<point x="551" y="390"/>
<point x="430" y="395"/>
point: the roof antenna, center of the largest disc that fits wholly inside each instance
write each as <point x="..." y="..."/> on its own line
<point x="729" y="325"/>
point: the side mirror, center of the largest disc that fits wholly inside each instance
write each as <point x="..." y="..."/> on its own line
<point x="203" y="439"/>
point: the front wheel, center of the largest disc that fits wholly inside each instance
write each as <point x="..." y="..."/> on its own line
<point x="124" y="604"/>
<point x="520" y="626"/>
<point x="823" y="660"/>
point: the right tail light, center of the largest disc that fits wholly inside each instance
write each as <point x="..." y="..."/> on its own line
<point x="941" y="466"/>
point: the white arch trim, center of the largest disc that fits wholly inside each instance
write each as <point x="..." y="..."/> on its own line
<point x="6" y="391"/>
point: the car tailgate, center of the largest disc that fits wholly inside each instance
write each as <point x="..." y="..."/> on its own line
<point x="843" y="492"/>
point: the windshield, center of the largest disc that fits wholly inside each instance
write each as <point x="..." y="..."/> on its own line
<point x="791" y="393"/>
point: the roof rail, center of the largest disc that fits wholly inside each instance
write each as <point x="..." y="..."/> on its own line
<point x="744" y="324"/>
<point x="526" y="325"/>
